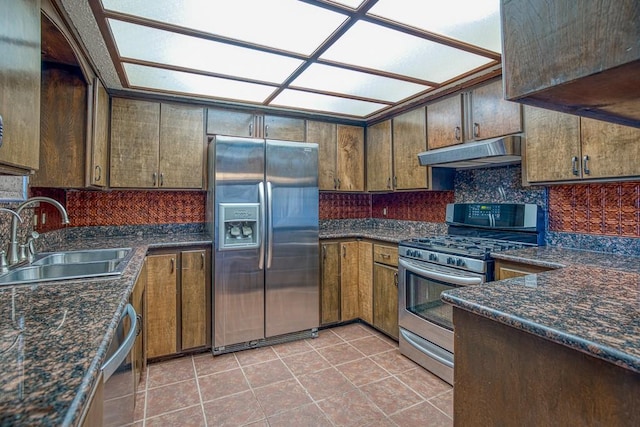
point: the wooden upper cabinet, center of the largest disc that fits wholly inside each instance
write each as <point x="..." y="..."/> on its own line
<point x="99" y="167"/>
<point x="595" y="71"/>
<point x="20" y="85"/>
<point x="135" y="143"/>
<point x="379" y="157"/>
<point x="156" y="145"/>
<point x="409" y="139"/>
<point x="182" y="147"/>
<point x="609" y="150"/>
<point x="284" y="128"/>
<point x="445" y="123"/>
<point x="552" y="145"/>
<point x="491" y="114"/>
<point x="350" y="158"/>
<point x="325" y="135"/>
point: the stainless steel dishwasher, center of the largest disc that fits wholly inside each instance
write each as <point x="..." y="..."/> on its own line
<point x="118" y="372"/>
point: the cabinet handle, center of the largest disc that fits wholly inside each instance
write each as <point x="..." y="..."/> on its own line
<point x="338" y="183"/>
<point x="395" y="182"/>
<point x="250" y="129"/>
<point x="173" y="262"/>
<point x="585" y="165"/>
<point x="155" y="177"/>
<point x="385" y="256"/>
<point x="324" y="252"/>
<point x="457" y="133"/>
<point x="476" y="130"/>
<point x="344" y="252"/>
<point x="389" y="183"/>
<point x="1" y="130"/>
<point x="161" y="179"/>
<point x="202" y="261"/>
<point x="266" y="131"/>
<point x="98" y="171"/>
<point x="574" y="165"/>
<point x="395" y="279"/>
<point x="335" y="184"/>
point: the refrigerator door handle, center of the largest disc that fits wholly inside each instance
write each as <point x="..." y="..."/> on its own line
<point x="262" y="215"/>
<point x="269" y="224"/>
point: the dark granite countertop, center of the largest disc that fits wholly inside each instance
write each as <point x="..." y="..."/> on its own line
<point x="54" y="336"/>
<point x="590" y="301"/>
<point x="391" y="231"/>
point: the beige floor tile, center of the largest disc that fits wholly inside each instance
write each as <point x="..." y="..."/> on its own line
<point x="188" y="417"/>
<point x="308" y="415"/>
<point x="261" y="374"/>
<point x="325" y="338"/>
<point x="236" y="410"/>
<point x="207" y="364"/>
<point x="172" y="397"/>
<point x="171" y="371"/>
<point x="306" y="363"/>
<point x="327" y="383"/>
<point x="282" y="396"/>
<point x="351" y="409"/>
<point x="394" y="362"/>
<point x="362" y="371"/>
<point x="222" y="384"/>
<point x="353" y="331"/>
<point x="424" y="382"/>
<point x="256" y="355"/>
<point x="138" y="412"/>
<point x="422" y="415"/>
<point x="291" y="348"/>
<point x="391" y="395"/>
<point x="371" y="345"/>
<point x="444" y="402"/>
<point x="340" y="353"/>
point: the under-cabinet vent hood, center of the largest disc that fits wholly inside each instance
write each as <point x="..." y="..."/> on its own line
<point x="481" y="154"/>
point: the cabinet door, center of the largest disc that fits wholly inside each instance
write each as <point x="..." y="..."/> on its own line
<point x="507" y="270"/>
<point x="181" y="146"/>
<point x="194" y="298"/>
<point x="135" y="140"/>
<point x="137" y="301"/>
<point x="552" y="150"/>
<point x="325" y="135"/>
<point x="379" y="157"/>
<point x="409" y="139"/>
<point x="330" y="283"/>
<point x="231" y="123"/>
<point x="385" y="299"/>
<point x="350" y="158"/>
<point x="100" y="140"/>
<point x="609" y="150"/>
<point x="365" y="281"/>
<point x="20" y="83"/>
<point x="161" y="303"/>
<point x="491" y="114"/>
<point x="284" y="128"/>
<point x="63" y="125"/>
<point x="444" y="122"/>
<point x="349" y="305"/>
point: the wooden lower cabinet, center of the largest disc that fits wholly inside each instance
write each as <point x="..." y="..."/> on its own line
<point x="365" y="281"/>
<point x="349" y="303"/>
<point x="385" y="302"/>
<point x="137" y="301"/>
<point x="506" y="269"/>
<point x="94" y="409"/>
<point x="330" y="283"/>
<point x="178" y="302"/>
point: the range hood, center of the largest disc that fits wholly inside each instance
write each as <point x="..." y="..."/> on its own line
<point x="481" y="154"/>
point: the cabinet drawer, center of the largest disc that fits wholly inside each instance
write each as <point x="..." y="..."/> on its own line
<point x="385" y="255"/>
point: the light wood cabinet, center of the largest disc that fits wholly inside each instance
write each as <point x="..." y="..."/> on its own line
<point x="330" y="283"/>
<point x="137" y="301"/>
<point x="325" y="135"/>
<point x="444" y="122"/>
<point x="596" y="61"/>
<point x="156" y="145"/>
<point x="178" y="301"/>
<point x="350" y="158"/>
<point x="195" y="296"/>
<point x="507" y="269"/>
<point x="349" y="304"/>
<point x="20" y="85"/>
<point x="491" y="114"/>
<point x="582" y="148"/>
<point x="409" y="139"/>
<point x="99" y="147"/>
<point x="385" y="289"/>
<point x="250" y="125"/>
<point x="379" y="157"/>
<point x="365" y="281"/>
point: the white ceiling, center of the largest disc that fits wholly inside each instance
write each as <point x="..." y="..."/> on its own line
<point x="352" y="58"/>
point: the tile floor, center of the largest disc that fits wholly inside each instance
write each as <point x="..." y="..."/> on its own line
<point x="348" y="376"/>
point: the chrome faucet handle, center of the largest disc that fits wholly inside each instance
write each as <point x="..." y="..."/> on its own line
<point x="22" y="255"/>
<point x="4" y="265"/>
<point x="31" y="247"/>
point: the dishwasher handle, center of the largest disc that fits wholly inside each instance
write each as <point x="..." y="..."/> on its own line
<point x="111" y="365"/>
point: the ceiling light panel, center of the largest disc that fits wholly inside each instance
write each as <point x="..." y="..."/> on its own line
<point x="290" y="98"/>
<point x="288" y="25"/>
<point x="339" y="80"/>
<point x="354" y="4"/>
<point x="476" y="22"/>
<point x="372" y="46"/>
<point x="142" y="76"/>
<point x="164" y="47"/>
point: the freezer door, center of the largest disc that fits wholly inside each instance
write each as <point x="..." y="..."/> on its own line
<point x="292" y="270"/>
<point x="238" y="275"/>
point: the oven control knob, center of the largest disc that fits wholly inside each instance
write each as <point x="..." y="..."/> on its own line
<point x="460" y="262"/>
<point x="451" y="260"/>
<point x="433" y="257"/>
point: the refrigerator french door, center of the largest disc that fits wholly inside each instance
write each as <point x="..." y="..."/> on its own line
<point x="265" y="225"/>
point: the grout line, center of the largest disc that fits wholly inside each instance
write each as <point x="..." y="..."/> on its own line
<point x="195" y="371"/>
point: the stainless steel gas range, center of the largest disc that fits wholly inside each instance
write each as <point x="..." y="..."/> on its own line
<point x="432" y="264"/>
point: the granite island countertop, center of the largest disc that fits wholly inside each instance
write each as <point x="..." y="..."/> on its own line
<point x="54" y="336"/>
<point x="589" y="302"/>
<point x="390" y="231"/>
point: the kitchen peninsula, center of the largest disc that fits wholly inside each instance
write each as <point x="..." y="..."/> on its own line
<point x="561" y="347"/>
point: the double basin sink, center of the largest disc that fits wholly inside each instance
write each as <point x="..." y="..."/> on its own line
<point x="69" y="265"/>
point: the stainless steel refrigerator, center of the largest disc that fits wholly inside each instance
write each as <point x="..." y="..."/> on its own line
<point x="262" y="209"/>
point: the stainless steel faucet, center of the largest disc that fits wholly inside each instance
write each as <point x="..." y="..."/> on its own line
<point x="13" y="244"/>
<point x="4" y="265"/>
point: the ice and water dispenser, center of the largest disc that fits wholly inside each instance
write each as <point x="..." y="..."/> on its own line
<point x="239" y="225"/>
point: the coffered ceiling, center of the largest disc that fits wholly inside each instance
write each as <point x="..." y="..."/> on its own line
<point x="353" y="59"/>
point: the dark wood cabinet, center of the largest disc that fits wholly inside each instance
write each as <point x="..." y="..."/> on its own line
<point x="161" y="305"/>
<point x="330" y="283"/>
<point x="350" y="158"/>
<point x="490" y="114"/>
<point x="385" y="289"/>
<point x="379" y="157"/>
<point x="445" y="125"/>
<point x="194" y="300"/>
<point x="581" y="60"/>
<point x="349" y="302"/>
<point x="250" y="125"/>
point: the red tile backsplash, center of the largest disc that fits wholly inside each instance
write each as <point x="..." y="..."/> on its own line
<point x="344" y="206"/>
<point x="428" y="206"/>
<point x="604" y="209"/>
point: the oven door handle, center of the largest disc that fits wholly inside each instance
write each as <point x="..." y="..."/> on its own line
<point x="429" y="274"/>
